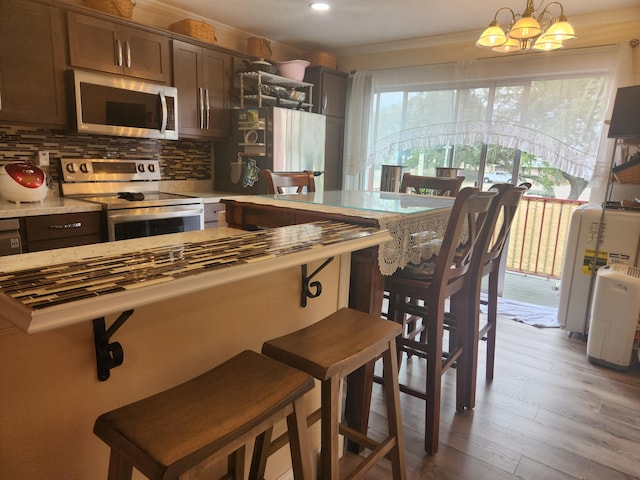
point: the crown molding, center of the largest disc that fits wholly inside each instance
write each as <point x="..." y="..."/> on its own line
<point x="608" y="17"/>
<point x="158" y="14"/>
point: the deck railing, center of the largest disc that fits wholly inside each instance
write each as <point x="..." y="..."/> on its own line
<point x="539" y="235"/>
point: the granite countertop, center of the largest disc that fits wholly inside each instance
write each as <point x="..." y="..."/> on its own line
<point x="39" y="292"/>
<point x="54" y="205"/>
<point x="208" y="197"/>
<point x="49" y="206"/>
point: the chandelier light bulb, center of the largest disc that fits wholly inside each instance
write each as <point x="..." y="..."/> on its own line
<point x="493" y="36"/>
<point x="511" y="45"/>
<point x="561" y="30"/>
<point x="525" y="28"/>
<point x="546" y="44"/>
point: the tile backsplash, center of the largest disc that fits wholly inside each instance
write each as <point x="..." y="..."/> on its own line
<point x="179" y="159"/>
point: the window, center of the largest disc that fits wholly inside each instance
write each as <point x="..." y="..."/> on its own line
<point x="528" y="130"/>
<point x="537" y="118"/>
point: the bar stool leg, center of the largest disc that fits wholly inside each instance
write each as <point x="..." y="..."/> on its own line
<point x="331" y="409"/>
<point x="119" y="467"/>
<point x="392" y="396"/>
<point x="235" y="465"/>
<point x="434" y="373"/>
<point x="298" y="435"/>
<point x="260" y="455"/>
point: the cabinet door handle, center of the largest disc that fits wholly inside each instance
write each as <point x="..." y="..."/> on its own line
<point x="325" y="101"/>
<point x="208" y="106"/>
<point x="118" y="53"/>
<point x="201" y="107"/>
<point x="128" y="47"/>
<point x="0" y="100"/>
<point x="65" y="226"/>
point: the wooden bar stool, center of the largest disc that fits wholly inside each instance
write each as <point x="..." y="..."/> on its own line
<point x="211" y="416"/>
<point x="331" y="349"/>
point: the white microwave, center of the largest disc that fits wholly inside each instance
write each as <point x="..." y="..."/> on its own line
<point x="116" y="105"/>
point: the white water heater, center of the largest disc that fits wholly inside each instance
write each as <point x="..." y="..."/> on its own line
<point x="615" y="313"/>
<point x="617" y="241"/>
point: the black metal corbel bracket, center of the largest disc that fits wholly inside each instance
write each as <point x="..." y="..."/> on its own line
<point x="108" y="355"/>
<point x="307" y="284"/>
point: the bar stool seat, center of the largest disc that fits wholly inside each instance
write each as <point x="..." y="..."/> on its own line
<point x="331" y="349"/>
<point x="208" y="417"/>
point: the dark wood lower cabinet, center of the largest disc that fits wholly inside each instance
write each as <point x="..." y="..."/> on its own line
<point x="46" y="232"/>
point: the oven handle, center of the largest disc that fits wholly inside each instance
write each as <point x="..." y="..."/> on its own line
<point x="133" y="217"/>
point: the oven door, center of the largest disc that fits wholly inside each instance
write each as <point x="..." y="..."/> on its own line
<point x="150" y="221"/>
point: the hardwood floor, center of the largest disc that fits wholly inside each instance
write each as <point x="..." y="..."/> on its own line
<point x="549" y="414"/>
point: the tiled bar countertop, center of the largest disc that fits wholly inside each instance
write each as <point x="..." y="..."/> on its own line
<point x="46" y="290"/>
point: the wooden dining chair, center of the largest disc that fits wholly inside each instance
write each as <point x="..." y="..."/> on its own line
<point x="440" y="186"/>
<point x="419" y="293"/>
<point x="286" y="182"/>
<point x="503" y="212"/>
<point x="424" y="185"/>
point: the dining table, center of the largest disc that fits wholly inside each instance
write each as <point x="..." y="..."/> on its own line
<point x="416" y="224"/>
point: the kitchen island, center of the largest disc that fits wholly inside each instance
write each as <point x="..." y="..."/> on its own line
<point x="180" y="327"/>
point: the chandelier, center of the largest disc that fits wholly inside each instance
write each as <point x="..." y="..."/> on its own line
<point x="528" y="31"/>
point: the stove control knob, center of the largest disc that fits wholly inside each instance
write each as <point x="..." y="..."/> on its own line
<point x="141" y="167"/>
<point x="84" y="168"/>
<point x="151" y="167"/>
<point x="71" y="168"/>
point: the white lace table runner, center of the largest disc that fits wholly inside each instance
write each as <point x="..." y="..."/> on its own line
<point x="416" y="236"/>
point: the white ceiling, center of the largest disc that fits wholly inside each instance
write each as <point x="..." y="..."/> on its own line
<point x="352" y="23"/>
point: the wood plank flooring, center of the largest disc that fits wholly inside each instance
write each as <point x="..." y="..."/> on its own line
<point x="549" y="414"/>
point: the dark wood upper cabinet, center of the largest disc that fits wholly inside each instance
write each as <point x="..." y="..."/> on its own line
<point x="32" y="61"/>
<point x="203" y="79"/>
<point x="329" y="90"/>
<point x="99" y="44"/>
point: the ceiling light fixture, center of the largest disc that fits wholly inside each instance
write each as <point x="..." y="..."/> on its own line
<point x="319" y="6"/>
<point x="528" y="31"/>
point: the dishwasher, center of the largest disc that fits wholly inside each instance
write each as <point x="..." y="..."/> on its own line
<point x="10" y="242"/>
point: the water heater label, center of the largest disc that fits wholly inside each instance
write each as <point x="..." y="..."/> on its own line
<point x="604" y="258"/>
<point x="589" y="262"/>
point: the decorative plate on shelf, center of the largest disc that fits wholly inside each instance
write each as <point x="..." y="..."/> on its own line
<point x="251" y="136"/>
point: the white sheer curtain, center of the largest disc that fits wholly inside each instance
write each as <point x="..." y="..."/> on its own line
<point x="569" y="143"/>
<point x="620" y="77"/>
<point x="358" y="116"/>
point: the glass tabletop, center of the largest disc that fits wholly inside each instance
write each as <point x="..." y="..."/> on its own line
<point x="388" y="202"/>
